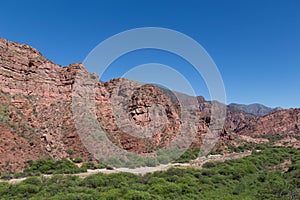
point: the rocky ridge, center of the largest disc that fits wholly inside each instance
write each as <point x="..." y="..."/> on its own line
<point x="37" y="112"/>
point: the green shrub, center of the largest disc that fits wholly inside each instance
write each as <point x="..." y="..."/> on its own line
<point x="70" y="152"/>
<point x="78" y="160"/>
<point x="48" y="166"/>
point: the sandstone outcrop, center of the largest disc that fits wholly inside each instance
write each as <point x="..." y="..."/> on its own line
<point x="39" y="109"/>
<point x="282" y="122"/>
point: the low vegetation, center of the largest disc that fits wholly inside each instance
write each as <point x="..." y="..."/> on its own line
<point x="252" y="177"/>
<point x="49" y="166"/>
<point x="65" y="166"/>
<point x="164" y="156"/>
<point x="272" y="137"/>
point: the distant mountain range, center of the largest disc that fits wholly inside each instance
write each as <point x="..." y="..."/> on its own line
<point x="255" y="109"/>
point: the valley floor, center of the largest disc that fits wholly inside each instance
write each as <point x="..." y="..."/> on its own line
<point x="144" y="170"/>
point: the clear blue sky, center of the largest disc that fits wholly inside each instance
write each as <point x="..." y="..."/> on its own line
<point x="255" y="44"/>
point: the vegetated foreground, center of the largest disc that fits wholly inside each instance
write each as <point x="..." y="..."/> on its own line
<point x="48" y="168"/>
<point x="273" y="173"/>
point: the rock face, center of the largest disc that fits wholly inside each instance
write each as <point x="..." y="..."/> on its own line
<point x="36" y="118"/>
<point x="283" y="122"/>
<point x="132" y="111"/>
<point x="37" y="106"/>
<point x="35" y="113"/>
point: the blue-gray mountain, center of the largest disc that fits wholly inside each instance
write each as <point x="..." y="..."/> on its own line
<point x="255" y="109"/>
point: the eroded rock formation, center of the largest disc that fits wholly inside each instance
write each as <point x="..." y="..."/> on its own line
<point x="37" y="106"/>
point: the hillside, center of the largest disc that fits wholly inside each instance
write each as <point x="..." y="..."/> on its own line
<point x="39" y="114"/>
<point x="282" y="122"/>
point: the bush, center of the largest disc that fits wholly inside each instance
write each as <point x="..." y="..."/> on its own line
<point x="189" y="155"/>
<point x="70" y="152"/>
<point x="77" y="160"/>
<point x="137" y="195"/>
<point x="48" y="166"/>
<point x="209" y="165"/>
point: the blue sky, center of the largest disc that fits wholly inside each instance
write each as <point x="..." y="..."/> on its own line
<point x="255" y="44"/>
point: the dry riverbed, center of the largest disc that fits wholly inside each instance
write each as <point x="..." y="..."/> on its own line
<point x="143" y="170"/>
